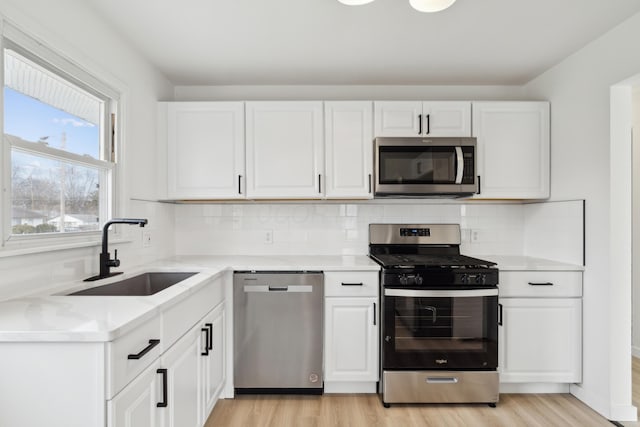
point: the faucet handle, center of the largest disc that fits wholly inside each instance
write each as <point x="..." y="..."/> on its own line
<point x="115" y="262"/>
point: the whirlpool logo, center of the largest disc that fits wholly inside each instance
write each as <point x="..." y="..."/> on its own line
<point x="442" y="361"/>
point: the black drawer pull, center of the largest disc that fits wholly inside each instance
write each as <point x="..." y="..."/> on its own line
<point x="540" y="284"/>
<point x="499" y="314"/>
<point x="352" y="284"/>
<point x="147" y="349"/>
<point x="164" y="403"/>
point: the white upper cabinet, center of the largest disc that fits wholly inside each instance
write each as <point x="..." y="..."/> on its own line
<point x="513" y="149"/>
<point x="284" y="148"/>
<point x="348" y="128"/>
<point x="416" y="118"/>
<point x="205" y="150"/>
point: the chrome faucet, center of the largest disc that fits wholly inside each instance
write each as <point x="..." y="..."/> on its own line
<point x="105" y="258"/>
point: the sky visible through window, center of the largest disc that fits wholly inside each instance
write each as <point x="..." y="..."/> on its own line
<point x="33" y="121"/>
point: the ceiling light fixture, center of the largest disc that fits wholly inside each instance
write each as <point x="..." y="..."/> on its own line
<point x="419" y="5"/>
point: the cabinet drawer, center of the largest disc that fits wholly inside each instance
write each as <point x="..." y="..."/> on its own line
<point x="351" y="284"/>
<point x="179" y="318"/>
<point x="121" y="368"/>
<point x="540" y="284"/>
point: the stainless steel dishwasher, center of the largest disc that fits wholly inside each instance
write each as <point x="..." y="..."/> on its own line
<point x="278" y="331"/>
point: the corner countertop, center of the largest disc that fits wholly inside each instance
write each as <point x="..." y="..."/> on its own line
<point x="56" y="317"/>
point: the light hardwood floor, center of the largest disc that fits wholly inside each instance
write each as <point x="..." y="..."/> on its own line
<point x="365" y="410"/>
<point x="513" y="410"/>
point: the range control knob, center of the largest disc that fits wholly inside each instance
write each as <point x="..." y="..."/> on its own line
<point x="464" y="279"/>
<point x="418" y="279"/>
<point x="481" y="279"/>
<point x="403" y="280"/>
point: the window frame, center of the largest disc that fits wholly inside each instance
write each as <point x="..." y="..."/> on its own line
<point x="110" y="136"/>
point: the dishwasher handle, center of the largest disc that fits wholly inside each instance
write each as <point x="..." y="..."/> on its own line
<point x="279" y="289"/>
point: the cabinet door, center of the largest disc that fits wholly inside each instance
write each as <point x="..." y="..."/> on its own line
<point x="136" y="404"/>
<point x="213" y="362"/>
<point x="398" y="118"/>
<point x="540" y="340"/>
<point x="513" y="149"/>
<point x="183" y="372"/>
<point x="285" y="152"/>
<point x="446" y="118"/>
<point x="205" y="151"/>
<point x="348" y="149"/>
<point x="351" y="339"/>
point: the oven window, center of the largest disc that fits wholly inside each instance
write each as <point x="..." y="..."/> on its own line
<point x="440" y="332"/>
<point x="417" y="165"/>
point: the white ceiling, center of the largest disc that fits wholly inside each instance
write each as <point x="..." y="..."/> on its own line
<point x="274" y="42"/>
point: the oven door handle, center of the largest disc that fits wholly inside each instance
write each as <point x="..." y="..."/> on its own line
<point x="440" y="293"/>
<point x="460" y="168"/>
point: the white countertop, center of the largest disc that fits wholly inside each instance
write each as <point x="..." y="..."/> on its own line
<point x="55" y="316"/>
<point x="525" y="263"/>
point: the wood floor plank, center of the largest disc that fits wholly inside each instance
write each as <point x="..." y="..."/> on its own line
<point x="365" y="410"/>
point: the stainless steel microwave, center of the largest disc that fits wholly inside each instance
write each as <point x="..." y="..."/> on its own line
<point x="425" y="167"/>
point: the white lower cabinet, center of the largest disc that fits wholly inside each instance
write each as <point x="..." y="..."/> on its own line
<point x="181" y="387"/>
<point x="136" y="405"/>
<point x="540" y="335"/>
<point x="181" y="365"/>
<point x="166" y="372"/>
<point x="351" y="346"/>
<point x="213" y="364"/>
<point x="540" y="340"/>
<point x="351" y="332"/>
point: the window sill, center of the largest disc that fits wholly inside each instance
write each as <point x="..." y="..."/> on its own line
<point x="7" y="252"/>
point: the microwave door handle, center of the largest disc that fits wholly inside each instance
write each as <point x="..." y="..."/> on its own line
<point x="460" y="171"/>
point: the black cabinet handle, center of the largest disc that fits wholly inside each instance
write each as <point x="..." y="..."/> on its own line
<point x="374" y="314"/>
<point x="478" y="184"/>
<point x="370" y="182"/>
<point x="352" y="284"/>
<point x="540" y="284"/>
<point x="500" y="314"/>
<point x="239" y="184"/>
<point x="428" y="124"/>
<point x="209" y="327"/>
<point x="419" y="124"/>
<point x="147" y="349"/>
<point x="163" y="404"/>
<point x="319" y="183"/>
<point x="206" y="342"/>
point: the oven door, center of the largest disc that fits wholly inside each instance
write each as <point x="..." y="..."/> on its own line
<point x="431" y="166"/>
<point x="440" y="329"/>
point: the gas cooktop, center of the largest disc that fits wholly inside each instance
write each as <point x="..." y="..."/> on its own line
<point x="421" y="260"/>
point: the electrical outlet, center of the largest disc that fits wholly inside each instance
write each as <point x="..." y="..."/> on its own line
<point x="475" y="236"/>
<point x="146" y="239"/>
<point x="268" y="237"/>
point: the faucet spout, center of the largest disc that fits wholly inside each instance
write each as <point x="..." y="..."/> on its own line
<point x="105" y="258"/>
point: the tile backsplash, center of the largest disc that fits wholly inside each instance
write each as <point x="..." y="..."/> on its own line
<point x="333" y="228"/>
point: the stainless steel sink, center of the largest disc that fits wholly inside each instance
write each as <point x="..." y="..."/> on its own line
<point x="141" y="285"/>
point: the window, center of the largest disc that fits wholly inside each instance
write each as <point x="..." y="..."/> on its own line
<point x="58" y="137"/>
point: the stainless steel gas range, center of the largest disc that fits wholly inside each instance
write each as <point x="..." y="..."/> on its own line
<point x="439" y="334"/>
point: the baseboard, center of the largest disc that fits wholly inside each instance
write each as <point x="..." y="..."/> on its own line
<point x="350" y="387"/>
<point x="533" y="388"/>
<point x="601" y="405"/>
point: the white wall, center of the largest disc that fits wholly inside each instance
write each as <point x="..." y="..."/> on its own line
<point x="579" y="91"/>
<point x="636" y="223"/>
<point x="324" y="92"/>
<point x="75" y="31"/>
